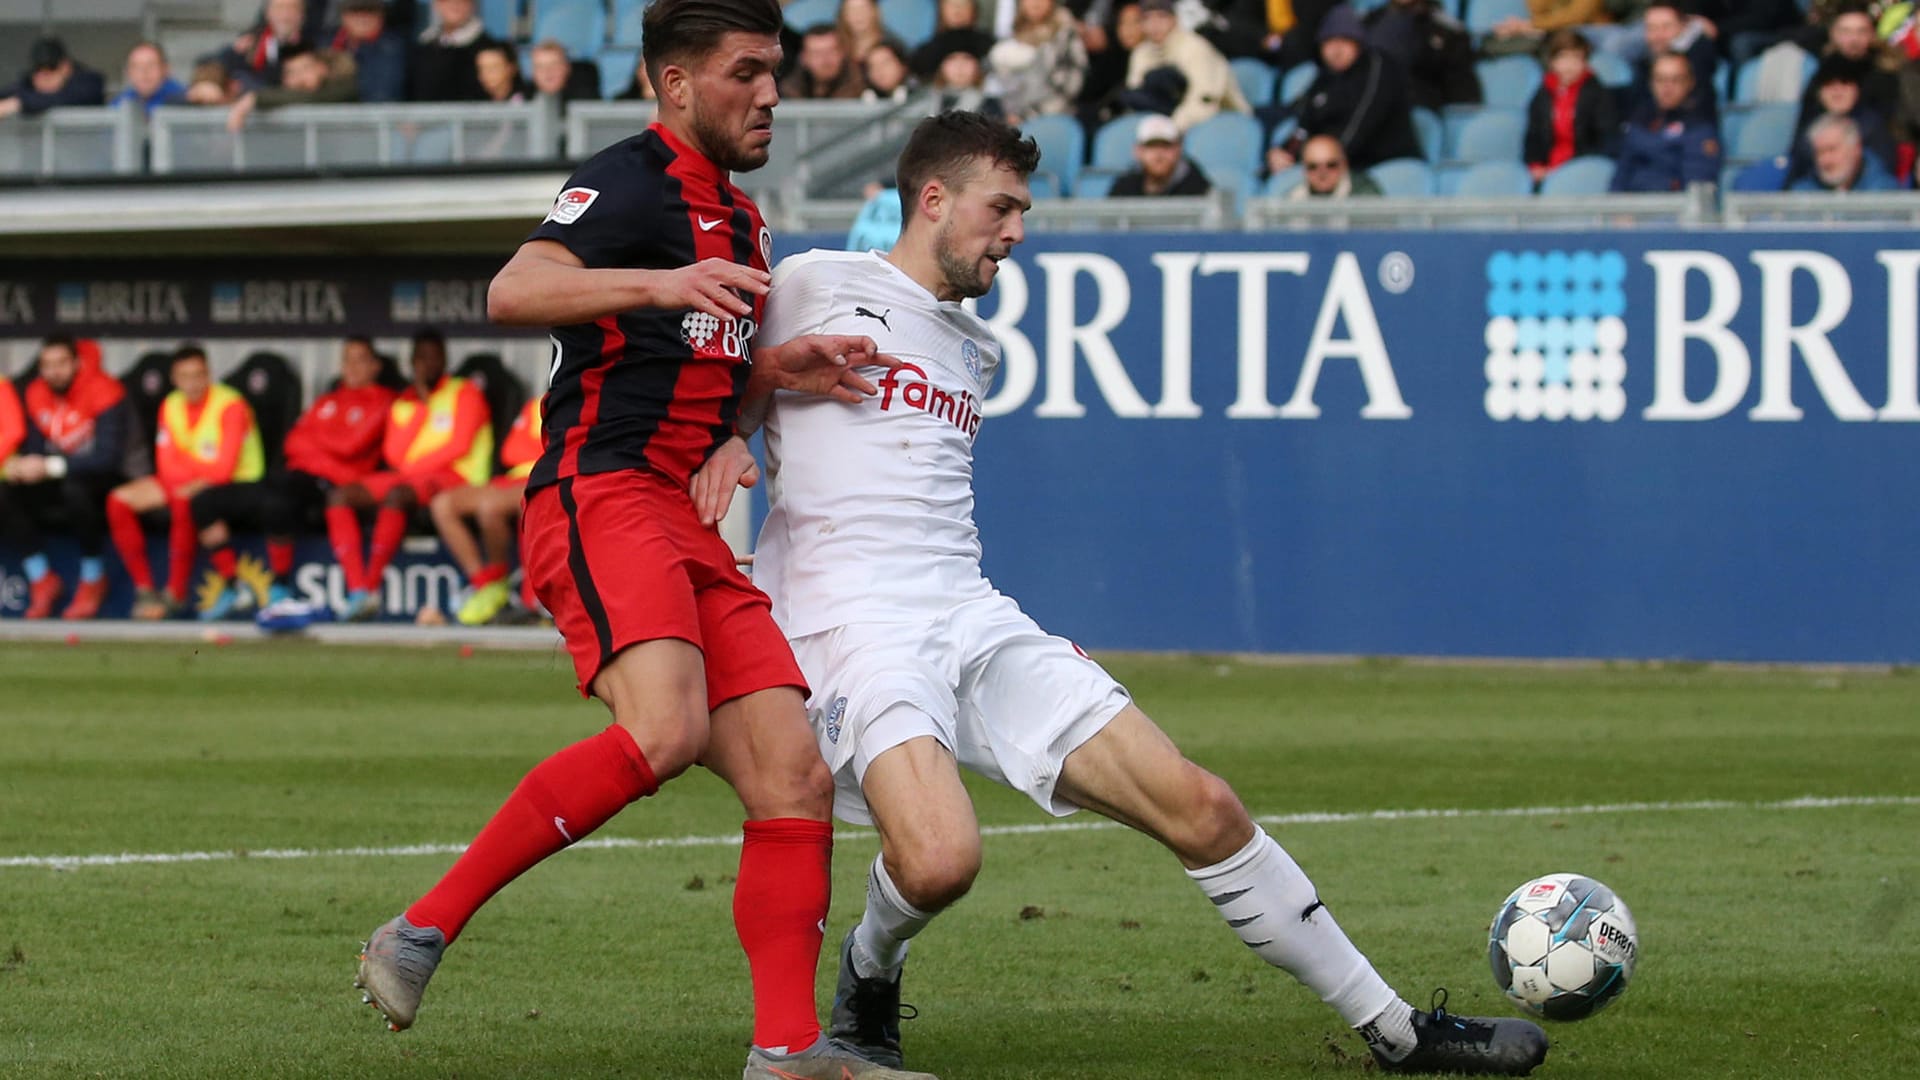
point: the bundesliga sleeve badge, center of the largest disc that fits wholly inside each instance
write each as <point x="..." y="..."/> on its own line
<point x="571" y="204"/>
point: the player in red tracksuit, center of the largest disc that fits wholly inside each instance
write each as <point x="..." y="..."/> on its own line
<point x="336" y="442"/>
<point x="495" y="508"/>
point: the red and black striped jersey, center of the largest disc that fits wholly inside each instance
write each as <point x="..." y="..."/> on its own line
<point x="650" y="388"/>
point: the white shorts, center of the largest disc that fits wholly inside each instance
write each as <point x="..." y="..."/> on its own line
<point x="1010" y="700"/>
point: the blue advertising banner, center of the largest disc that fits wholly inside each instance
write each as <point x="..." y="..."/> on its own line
<point x="1629" y="444"/>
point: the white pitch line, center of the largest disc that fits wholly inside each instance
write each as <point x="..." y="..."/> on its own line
<point x="1805" y="802"/>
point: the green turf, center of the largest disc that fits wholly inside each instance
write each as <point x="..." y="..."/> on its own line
<point x="1775" y="942"/>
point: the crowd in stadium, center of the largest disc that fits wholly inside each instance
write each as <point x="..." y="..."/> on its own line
<point x="1298" y="97"/>
<point x="89" y="457"/>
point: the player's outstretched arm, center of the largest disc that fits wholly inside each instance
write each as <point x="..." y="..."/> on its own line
<point x="544" y="284"/>
<point x="728" y="468"/>
<point x="817" y="364"/>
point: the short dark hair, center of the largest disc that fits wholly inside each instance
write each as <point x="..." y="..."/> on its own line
<point x="189" y="351"/>
<point x="60" y="341"/>
<point x="428" y="335"/>
<point x="1565" y="39"/>
<point x="673" y="30"/>
<point x="359" y="339"/>
<point x="944" y="146"/>
<point x="821" y="29"/>
<point x="488" y="45"/>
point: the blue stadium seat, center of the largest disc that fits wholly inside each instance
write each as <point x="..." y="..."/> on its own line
<point x="1044" y="185"/>
<point x="1769" y="174"/>
<point x="625" y="29"/>
<point x="1258" y="80"/>
<point x="1487" y="180"/>
<point x="801" y="14"/>
<point x="616" y="69"/>
<point x="1113" y="143"/>
<point x="1403" y="178"/>
<point x="1285" y="180"/>
<point x="1226" y="144"/>
<point x="1591" y="174"/>
<point x="1611" y="70"/>
<point x="1485" y="134"/>
<point x="1762" y="132"/>
<point x="1483" y="15"/>
<point x="1063" y="146"/>
<point x="1509" y="81"/>
<point x="1432" y="135"/>
<point x="912" y="21"/>
<point x="1094" y="184"/>
<point x="1295" y="82"/>
<point x="1746" y="87"/>
<point x="497" y="15"/>
<point x="580" y="25"/>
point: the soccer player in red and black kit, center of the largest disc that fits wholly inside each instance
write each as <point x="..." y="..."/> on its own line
<point x="651" y="268"/>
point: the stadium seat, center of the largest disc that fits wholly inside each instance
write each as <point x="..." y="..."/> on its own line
<point x="1403" y="178"/>
<point x="1044" y="185"/>
<point x="506" y="395"/>
<point x="1611" y="70"/>
<point x="801" y="14"/>
<point x="432" y="145"/>
<point x="912" y="21"/>
<point x="1258" y="80"/>
<point x="1591" y="174"/>
<point x="1752" y="85"/>
<point x="1295" y="82"/>
<point x="1487" y="180"/>
<point x="1063" y="146"/>
<point x="1723" y="82"/>
<point x="580" y="25"/>
<point x="1762" y="132"/>
<point x="272" y="389"/>
<point x="625" y="28"/>
<point x="1113" y="143"/>
<point x="1485" y="134"/>
<point x="147" y="383"/>
<point x="499" y="17"/>
<point x="1094" y="184"/>
<point x="1432" y="136"/>
<point x="616" y="69"/>
<point x="1226" y="144"/>
<point x="1481" y="16"/>
<point x="1284" y="181"/>
<point x="1509" y="81"/>
<point x="1769" y="174"/>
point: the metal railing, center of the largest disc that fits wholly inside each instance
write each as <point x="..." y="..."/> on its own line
<point x="312" y="138"/>
<point x="72" y="142"/>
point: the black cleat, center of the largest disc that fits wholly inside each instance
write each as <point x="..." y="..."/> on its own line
<point x="867" y="1012"/>
<point x="1445" y="1043"/>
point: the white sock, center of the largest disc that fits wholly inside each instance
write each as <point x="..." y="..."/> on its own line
<point x="1267" y="899"/>
<point x="880" y="941"/>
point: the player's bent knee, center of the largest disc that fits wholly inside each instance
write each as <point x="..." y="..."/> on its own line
<point x="934" y="875"/>
<point x="1217" y="823"/>
<point x="795" y="786"/>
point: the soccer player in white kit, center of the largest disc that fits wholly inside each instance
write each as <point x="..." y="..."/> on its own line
<point x="919" y="666"/>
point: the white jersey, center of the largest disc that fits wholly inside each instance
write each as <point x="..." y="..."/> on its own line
<point x="871" y="514"/>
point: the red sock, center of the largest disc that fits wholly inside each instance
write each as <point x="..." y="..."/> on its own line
<point x="563" y="799"/>
<point x="488" y="574"/>
<point x="124" y="526"/>
<point x="182" y="545"/>
<point x="343" y="532"/>
<point x="225" y="563"/>
<point x="779" y="908"/>
<point x="280" y="558"/>
<point x="389" y="528"/>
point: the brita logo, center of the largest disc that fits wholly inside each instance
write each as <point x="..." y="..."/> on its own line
<point x="1556" y="337"/>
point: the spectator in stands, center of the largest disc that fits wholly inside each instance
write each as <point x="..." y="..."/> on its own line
<point x="1743" y="29"/>
<point x="556" y="76"/>
<point x="825" y="72"/>
<point x="495" y="509"/>
<point x="61" y="451"/>
<point x="379" y="55"/>
<point x="1359" y="97"/>
<point x="1108" y="52"/>
<point x="641" y="87"/>
<point x="439" y="436"/>
<point x="52" y="80"/>
<point x="1519" y="35"/>
<point x="1853" y="47"/>
<point x="1161" y="167"/>
<point x="1671" y="141"/>
<point x="1039" y="70"/>
<point x="1666" y="30"/>
<point x="307" y="77"/>
<point x="1326" y="173"/>
<point x="149" y="82"/>
<point x="886" y="73"/>
<point x="207" y="436"/>
<point x="860" y="28"/>
<point x="957" y="30"/>
<point x="1431" y="46"/>
<point x="1840" y="163"/>
<point x="441" y="65"/>
<point x="1572" y="114"/>
<point x="1836" y="93"/>
<point x="498" y="70"/>
<point x="961" y="82"/>
<point x="210" y="84"/>
<point x="1172" y="54"/>
<point x="254" y="58"/>
<point x="1246" y="28"/>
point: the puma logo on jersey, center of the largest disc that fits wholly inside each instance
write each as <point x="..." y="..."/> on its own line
<point x="863" y="313"/>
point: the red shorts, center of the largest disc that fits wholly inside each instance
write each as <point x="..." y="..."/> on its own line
<point x="425" y="485"/>
<point x="620" y="558"/>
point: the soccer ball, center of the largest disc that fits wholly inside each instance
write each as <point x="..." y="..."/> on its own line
<point x="1562" y="946"/>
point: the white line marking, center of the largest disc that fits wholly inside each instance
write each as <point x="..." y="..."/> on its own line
<point x="1805" y="802"/>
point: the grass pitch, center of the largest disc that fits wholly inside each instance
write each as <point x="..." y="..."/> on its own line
<point x="1778" y="940"/>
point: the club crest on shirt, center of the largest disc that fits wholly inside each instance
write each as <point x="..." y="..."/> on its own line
<point x="766" y="245"/>
<point x="834" y="716"/>
<point x="571" y="204"/>
<point x="970" y="358"/>
<point x="714" y="337"/>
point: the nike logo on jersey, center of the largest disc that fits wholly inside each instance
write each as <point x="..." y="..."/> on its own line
<point x="706" y="225"/>
<point x="863" y="313"/>
<point x="561" y="824"/>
